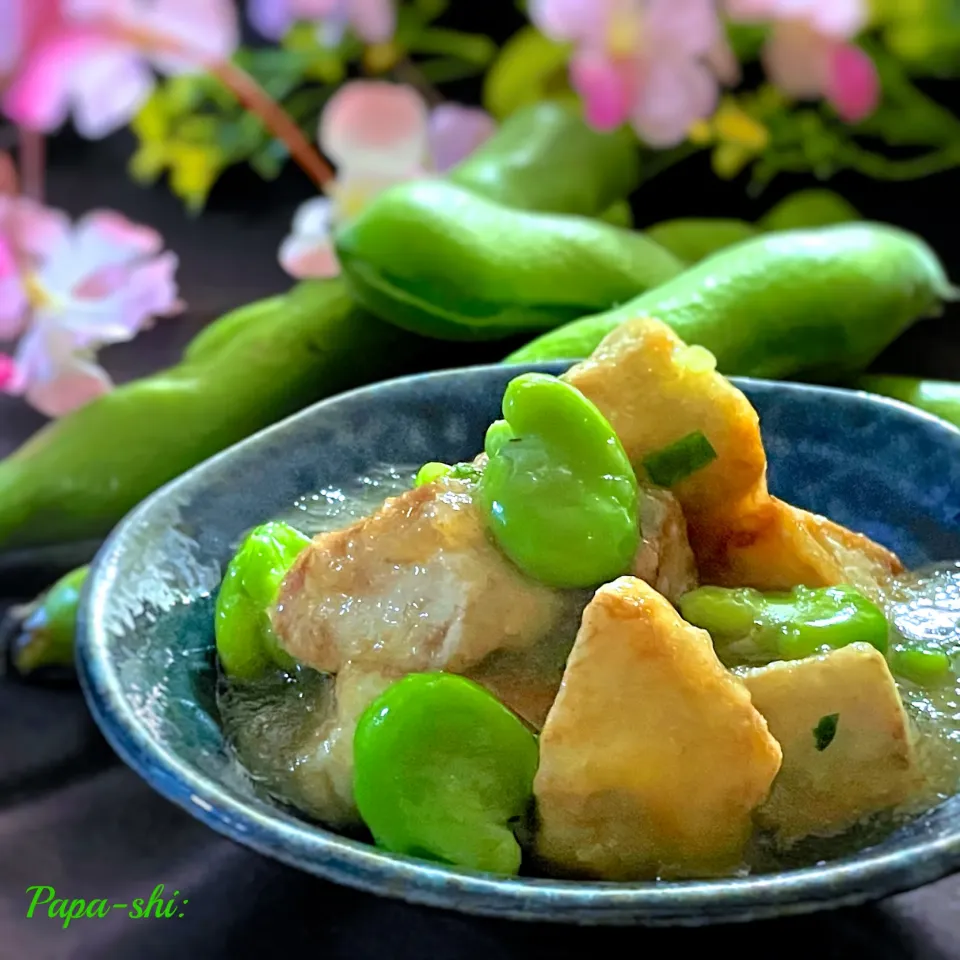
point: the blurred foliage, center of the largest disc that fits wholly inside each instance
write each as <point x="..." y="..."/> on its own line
<point x="192" y="128"/>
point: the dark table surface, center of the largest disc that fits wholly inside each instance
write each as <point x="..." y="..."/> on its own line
<point x="72" y="817"/>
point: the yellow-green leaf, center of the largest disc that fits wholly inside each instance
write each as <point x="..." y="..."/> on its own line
<point x="530" y="67"/>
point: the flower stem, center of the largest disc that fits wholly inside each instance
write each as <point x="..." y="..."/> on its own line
<point x="32" y="164"/>
<point x="879" y="167"/>
<point x="255" y="99"/>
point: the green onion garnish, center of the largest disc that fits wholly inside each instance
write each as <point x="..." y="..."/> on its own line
<point x="435" y="470"/>
<point x="667" y="467"/>
<point x="825" y="731"/>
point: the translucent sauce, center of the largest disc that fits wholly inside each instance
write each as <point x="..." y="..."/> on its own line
<point x="274" y="724"/>
<point x="924" y="608"/>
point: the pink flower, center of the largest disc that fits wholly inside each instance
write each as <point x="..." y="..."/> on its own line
<point x="654" y="63"/>
<point x="95" y="58"/>
<point x="809" y="53"/>
<point x="372" y="20"/>
<point x="7" y="369"/>
<point x="66" y="291"/>
<point x="378" y="134"/>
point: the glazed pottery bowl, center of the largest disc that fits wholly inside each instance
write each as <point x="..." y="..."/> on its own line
<point x="146" y="645"/>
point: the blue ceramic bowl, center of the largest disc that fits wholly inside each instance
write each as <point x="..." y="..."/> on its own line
<point x="146" y="647"/>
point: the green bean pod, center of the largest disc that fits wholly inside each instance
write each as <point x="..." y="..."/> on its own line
<point x="939" y="397"/>
<point x="529" y="163"/>
<point x="79" y="475"/>
<point x="438" y="260"/>
<point x="808" y="303"/>
<point x="693" y="239"/>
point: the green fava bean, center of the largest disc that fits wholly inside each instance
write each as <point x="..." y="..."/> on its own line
<point x="786" y="625"/>
<point x="441" y="771"/>
<point x="816" y="303"/>
<point x="49" y="629"/>
<point x="693" y="240"/>
<point x="808" y="208"/>
<point x="922" y="665"/>
<point x="440" y="261"/>
<point x="526" y="164"/>
<point x="76" y="478"/>
<point x="246" y="643"/>
<point x="939" y="397"/>
<point x="558" y="491"/>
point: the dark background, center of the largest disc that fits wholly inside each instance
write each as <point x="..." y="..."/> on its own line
<point x="72" y="817"/>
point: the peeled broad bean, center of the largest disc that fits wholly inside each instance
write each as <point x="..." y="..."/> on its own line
<point x="246" y="643"/>
<point x="558" y="491"/>
<point x="443" y="770"/>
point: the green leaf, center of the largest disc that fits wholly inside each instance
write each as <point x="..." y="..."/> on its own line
<point x="429" y="10"/>
<point x="270" y="159"/>
<point x="530" y="67"/>
<point x="906" y="116"/>
<point x="825" y="731"/>
<point x="470" y="47"/>
<point x="746" y="40"/>
<point x="448" y="69"/>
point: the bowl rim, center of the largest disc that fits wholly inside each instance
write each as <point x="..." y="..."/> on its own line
<point x="359" y="865"/>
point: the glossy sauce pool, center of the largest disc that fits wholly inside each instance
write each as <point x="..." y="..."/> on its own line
<point x="269" y="722"/>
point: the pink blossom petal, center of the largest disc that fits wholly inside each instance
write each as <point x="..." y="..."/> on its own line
<point x="35" y="231"/>
<point x="208" y="30"/>
<point x="841" y="19"/>
<point x="606" y="86"/>
<point x="373" y="20"/>
<point x="455" y="132"/>
<point x="39" y="96"/>
<point x="270" y="18"/>
<point x="575" y="20"/>
<point x="76" y="383"/>
<point x="688" y="27"/>
<point x="308" y="250"/>
<point x="751" y="11"/>
<point x="68" y="383"/>
<point x="54" y="378"/>
<point x="375" y="126"/>
<point x="13" y="307"/>
<point x="149" y="290"/>
<point x="673" y="96"/>
<point x="723" y="62"/>
<point x="11" y="34"/>
<point x="107" y="91"/>
<point x="8" y="370"/>
<point x="853" y="86"/>
<point x="304" y="257"/>
<point x="101" y="240"/>
<point x="797" y="60"/>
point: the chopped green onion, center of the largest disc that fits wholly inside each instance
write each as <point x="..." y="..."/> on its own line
<point x="435" y="470"/>
<point x="465" y="471"/>
<point x="921" y="665"/>
<point x="825" y="731"/>
<point x="667" y="467"/>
